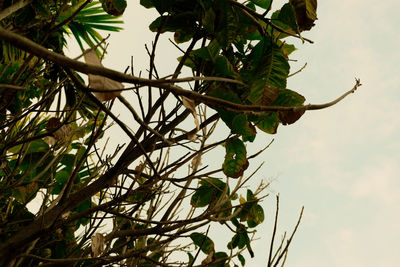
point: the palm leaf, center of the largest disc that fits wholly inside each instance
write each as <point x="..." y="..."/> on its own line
<point x="85" y="25"/>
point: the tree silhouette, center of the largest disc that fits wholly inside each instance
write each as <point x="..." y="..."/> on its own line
<point x="150" y="201"/>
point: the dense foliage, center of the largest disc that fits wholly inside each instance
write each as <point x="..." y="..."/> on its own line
<point x="132" y="206"/>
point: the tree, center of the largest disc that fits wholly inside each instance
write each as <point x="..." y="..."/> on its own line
<point x="52" y="126"/>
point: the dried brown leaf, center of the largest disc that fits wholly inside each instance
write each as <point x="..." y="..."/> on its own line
<point x="210" y="257"/>
<point x="97" y="245"/>
<point x="269" y="95"/>
<point x="60" y="131"/>
<point x="99" y="82"/>
<point x="290" y="116"/>
<point x="191" y="106"/>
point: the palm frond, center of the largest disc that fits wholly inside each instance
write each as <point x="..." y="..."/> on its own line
<point x="85" y="25"/>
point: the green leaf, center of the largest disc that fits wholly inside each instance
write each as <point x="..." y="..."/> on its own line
<point x="287" y="49"/>
<point x="210" y="189"/>
<point x="241" y="125"/>
<point x="191" y="258"/>
<point x="23" y="193"/>
<point x="114" y="7"/>
<point x="226" y="210"/>
<point x="209" y="52"/>
<point x="208" y="20"/>
<point x="288" y="17"/>
<point x="35" y="146"/>
<point x="163" y="5"/>
<point x="83" y="26"/>
<point x="262" y="3"/>
<point x="68" y="161"/>
<point x="243" y="239"/>
<point x="241" y="259"/>
<point x="238" y="123"/>
<point x="84" y="206"/>
<point x="266" y="67"/>
<point x="204" y="242"/>
<point x="306" y="13"/>
<point x="235" y="159"/>
<point x="181" y="36"/>
<point x="224" y="68"/>
<point x="202" y="198"/>
<point x="227" y="23"/>
<point x="256" y="216"/>
<point x="267" y="122"/>
<point x="183" y="23"/>
<point x="147" y="3"/>
<point x="62" y="176"/>
<point x="289" y="98"/>
<point x="250" y="196"/>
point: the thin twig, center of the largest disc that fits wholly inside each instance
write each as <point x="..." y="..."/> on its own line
<point x="11" y="86"/>
<point x="300" y="70"/>
<point x="271" y="247"/>
<point x="290" y="239"/>
<point x="329" y="104"/>
<point x="140" y="121"/>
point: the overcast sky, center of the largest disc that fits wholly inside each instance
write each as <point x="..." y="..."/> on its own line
<point x="342" y="163"/>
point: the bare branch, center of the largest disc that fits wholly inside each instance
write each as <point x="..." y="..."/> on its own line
<point x="14" y="8"/>
<point x="271" y="246"/>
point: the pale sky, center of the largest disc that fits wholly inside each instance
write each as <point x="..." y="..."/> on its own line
<point x="342" y="163"/>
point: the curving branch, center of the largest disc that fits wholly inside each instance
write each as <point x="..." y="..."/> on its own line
<point x="11" y="86"/>
<point x="227" y="105"/>
<point x="14" y="8"/>
<point x="31" y="47"/>
<point x="40" y="51"/>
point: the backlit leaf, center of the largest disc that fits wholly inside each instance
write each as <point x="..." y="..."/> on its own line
<point x="267" y="122"/>
<point x="256" y="216"/>
<point x="235" y="159"/>
<point x="265" y="67"/>
<point x="210" y="189"/>
<point x="306" y="13"/>
<point x="287" y="16"/>
<point x="204" y="242"/>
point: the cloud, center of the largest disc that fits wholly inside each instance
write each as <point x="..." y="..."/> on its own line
<point x="380" y="182"/>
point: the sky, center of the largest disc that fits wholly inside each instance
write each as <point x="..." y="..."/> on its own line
<point x="341" y="163"/>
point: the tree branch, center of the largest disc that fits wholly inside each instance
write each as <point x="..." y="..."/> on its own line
<point x="14" y="8"/>
<point x="271" y="247"/>
<point x="31" y="47"/>
<point x="11" y="86"/>
<point x="42" y="52"/>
